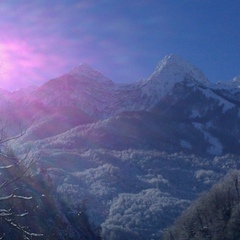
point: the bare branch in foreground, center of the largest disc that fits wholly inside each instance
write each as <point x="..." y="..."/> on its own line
<point x="18" y="169"/>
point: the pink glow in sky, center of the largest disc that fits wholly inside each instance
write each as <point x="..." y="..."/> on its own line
<point x="41" y="41"/>
<point x="124" y="40"/>
<point x="23" y="65"/>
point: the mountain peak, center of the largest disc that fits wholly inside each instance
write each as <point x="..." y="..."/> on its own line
<point x="236" y="81"/>
<point x="81" y="69"/>
<point x="174" y="65"/>
<point x="233" y="83"/>
<point x="171" y="58"/>
<point x="84" y="70"/>
<point x="171" y="70"/>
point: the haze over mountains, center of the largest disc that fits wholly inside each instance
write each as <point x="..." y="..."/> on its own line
<point x="175" y="109"/>
<point x="137" y="153"/>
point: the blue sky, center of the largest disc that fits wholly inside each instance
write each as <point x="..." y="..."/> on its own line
<point x="43" y="39"/>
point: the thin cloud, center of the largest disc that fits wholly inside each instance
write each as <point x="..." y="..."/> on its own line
<point x="122" y="39"/>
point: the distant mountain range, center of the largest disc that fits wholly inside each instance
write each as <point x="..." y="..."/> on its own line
<point x="175" y="109"/>
<point x="117" y="145"/>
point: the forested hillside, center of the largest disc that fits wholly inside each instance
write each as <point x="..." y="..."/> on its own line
<point x="214" y="215"/>
<point x="121" y="160"/>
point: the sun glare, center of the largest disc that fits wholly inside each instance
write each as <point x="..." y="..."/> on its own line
<point x="17" y="61"/>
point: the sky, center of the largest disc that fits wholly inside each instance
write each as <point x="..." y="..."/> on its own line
<point x="124" y="40"/>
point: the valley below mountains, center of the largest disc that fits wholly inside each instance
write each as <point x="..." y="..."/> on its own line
<point x="136" y="155"/>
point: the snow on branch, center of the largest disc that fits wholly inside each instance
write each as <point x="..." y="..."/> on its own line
<point x="21" y="228"/>
<point x="16" y="169"/>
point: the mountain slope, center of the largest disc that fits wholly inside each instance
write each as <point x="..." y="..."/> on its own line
<point x="91" y="96"/>
<point x="99" y="97"/>
<point x="116" y="148"/>
<point x="190" y="118"/>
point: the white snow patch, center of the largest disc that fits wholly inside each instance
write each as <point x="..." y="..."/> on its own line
<point x="186" y="144"/>
<point x="216" y="147"/>
<point x="195" y="113"/>
<point x="209" y="124"/>
<point x="222" y="102"/>
<point x="197" y="125"/>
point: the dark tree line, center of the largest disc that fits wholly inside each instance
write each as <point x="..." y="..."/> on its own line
<point x="214" y="216"/>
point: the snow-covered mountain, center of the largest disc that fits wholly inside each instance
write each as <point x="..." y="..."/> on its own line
<point x="99" y="97"/>
<point x="118" y="146"/>
<point x="177" y="96"/>
<point x="170" y="71"/>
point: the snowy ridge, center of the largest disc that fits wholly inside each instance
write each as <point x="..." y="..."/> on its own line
<point x="171" y="70"/>
<point x="233" y="83"/>
<point x="118" y="146"/>
<point x="236" y="81"/>
<point x="179" y="67"/>
<point x="98" y="96"/>
<point x="84" y="70"/>
<point x="143" y="95"/>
